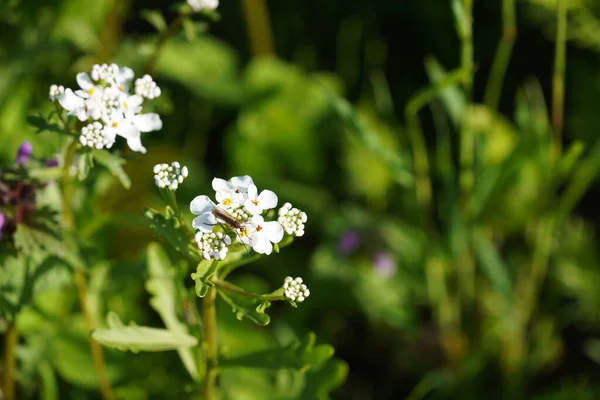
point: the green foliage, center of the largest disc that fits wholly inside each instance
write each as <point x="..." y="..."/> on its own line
<point x="300" y="355"/>
<point x="111" y="162"/>
<point x="140" y="338"/>
<point x="169" y="226"/>
<point x="166" y="292"/>
<point x="243" y="306"/>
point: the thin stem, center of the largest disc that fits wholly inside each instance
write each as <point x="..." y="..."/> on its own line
<point x="97" y="354"/>
<point x="80" y="282"/>
<point x="467" y="146"/>
<point x="11" y="340"/>
<point x="259" y="27"/>
<point x="558" y="80"/>
<point x="229" y="287"/>
<point x="166" y="35"/>
<point x="209" y="316"/>
<point x="421" y="166"/>
<point x="503" y="53"/>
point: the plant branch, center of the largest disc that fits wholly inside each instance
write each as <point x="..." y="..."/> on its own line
<point x="209" y="316"/>
<point x="493" y="90"/>
<point x="234" y="289"/>
<point x="11" y="339"/>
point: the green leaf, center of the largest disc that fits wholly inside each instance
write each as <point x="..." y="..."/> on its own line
<point x="322" y="380"/>
<point x="492" y="265"/>
<point x="84" y="164"/>
<point x="154" y="18"/>
<point x="164" y="290"/>
<point x="43" y="125"/>
<point x="37" y="243"/>
<point x="394" y="161"/>
<point x="140" y="338"/>
<point x="114" y="164"/>
<point x="252" y="308"/>
<point x="451" y="95"/>
<point x="171" y="228"/>
<point x="204" y="271"/>
<point x="45" y="174"/>
<point x="299" y="355"/>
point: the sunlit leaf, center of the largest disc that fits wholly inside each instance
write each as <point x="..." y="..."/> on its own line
<point x="204" y="271"/>
<point x="140" y="338"/>
<point x="114" y="164"/>
<point x="323" y="379"/>
<point x="162" y="286"/>
<point x="155" y="18"/>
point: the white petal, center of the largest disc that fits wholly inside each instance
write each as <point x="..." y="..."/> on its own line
<point x="204" y="222"/>
<point x="252" y="208"/>
<point x="220" y="184"/>
<point x="147" y="122"/>
<point x="201" y="205"/>
<point x="126" y="73"/>
<point x="70" y="101"/>
<point x="261" y="244"/>
<point x="272" y="231"/>
<point x="267" y="199"/>
<point x="132" y="134"/>
<point x="252" y="192"/>
<point x="256" y="220"/>
<point x="84" y="81"/>
<point x="242" y="181"/>
<point x="134" y="103"/>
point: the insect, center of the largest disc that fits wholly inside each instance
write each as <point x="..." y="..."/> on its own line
<point x="228" y="219"/>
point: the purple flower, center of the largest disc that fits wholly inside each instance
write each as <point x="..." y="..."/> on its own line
<point x="24" y="152"/>
<point x="348" y="242"/>
<point x="384" y="264"/>
<point x="53" y="162"/>
<point x="2" y="223"/>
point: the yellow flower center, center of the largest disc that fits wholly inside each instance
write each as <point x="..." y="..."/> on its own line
<point x="258" y="228"/>
<point x="90" y="91"/>
<point x="255" y="202"/>
<point x="115" y="124"/>
<point x="227" y="201"/>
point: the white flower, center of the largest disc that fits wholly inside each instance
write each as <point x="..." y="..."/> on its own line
<point x="232" y="194"/>
<point x="169" y="176"/>
<point x="94" y="135"/>
<point x="112" y="74"/>
<point x="130" y="126"/>
<point x="198" y="5"/>
<point x="55" y="91"/>
<point x="213" y="245"/>
<point x="257" y="203"/>
<point x="74" y="104"/>
<point x="260" y="234"/>
<point x="203" y="207"/>
<point x="295" y="290"/>
<point x="292" y="220"/>
<point x="146" y="87"/>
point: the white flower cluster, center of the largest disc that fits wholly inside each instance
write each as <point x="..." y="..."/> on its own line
<point x="92" y="136"/>
<point x="55" y="91"/>
<point x="169" y="176"/>
<point x="295" y="290"/>
<point x="199" y="5"/>
<point x="292" y="220"/>
<point x="146" y="87"/>
<point x="104" y="98"/>
<point x="213" y="245"/>
<point x="240" y="207"/>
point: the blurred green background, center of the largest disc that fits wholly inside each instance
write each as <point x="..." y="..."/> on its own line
<point x="490" y="293"/>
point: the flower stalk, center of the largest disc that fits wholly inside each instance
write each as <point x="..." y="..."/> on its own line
<point x="209" y="317"/>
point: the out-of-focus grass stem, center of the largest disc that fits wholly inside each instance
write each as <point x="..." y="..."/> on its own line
<point x="258" y="25"/>
<point x="503" y="54"/>
<point x="558" y="80"/>
<point x="209" y="319"/>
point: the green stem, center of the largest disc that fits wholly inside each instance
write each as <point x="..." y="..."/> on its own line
<point x="209" y="316"/>
<point x="421" y="166"/>
<point x="231" y="288"/>
<point x="11" y="340"/>
<point x="503" y="53"/>
<point x="166" y="35"/>
<point x="259" y="27"/>
<point x="558" y="80"/>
